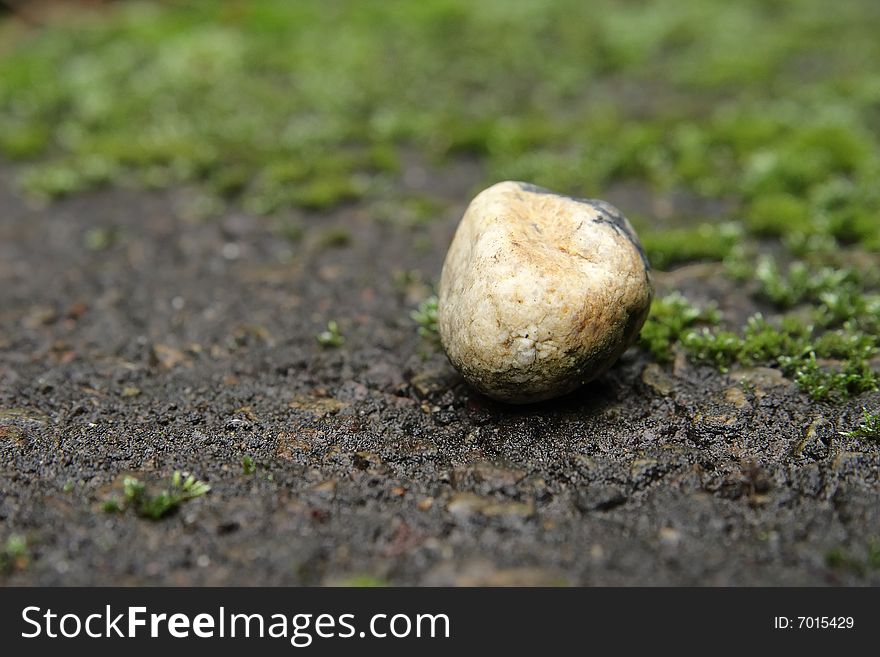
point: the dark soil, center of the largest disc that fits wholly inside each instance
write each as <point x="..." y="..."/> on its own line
<point x="177" y="344"/>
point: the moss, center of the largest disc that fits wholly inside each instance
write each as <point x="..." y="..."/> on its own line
<point x="796" y="350"/>
<point x="858" y="560"/>
<point x="822" y="383"/>
<point x="826" y="346"/>
<point x="669" y="318"/>
<point x="426" y="317"/>
<point x="776" y="215"/>
<point x="326" y="192"/>
<point x="411" y="212"/>
<point x="23" y="141"/>
<point x="292" y="231"/>
<point x="155" y="506"/>
<point x="334" y="238"/>
<point x="848" y="304"/>
<point x="15" y="553"/>
<point x="680" y="245"/>
<point x="806" y="157"/>
<point x="869" y="428"/>
<point x="229" y="182"/>
<point x="874" y="554"/>
<point x="100" y="239"/>
<point x="332" y="337"/>
<point x="800" y="283"/>
<point x="717" y="348"/>
<point x="765" y="342"/>
<point x="840" y="559"/>
<point x="848" y="211"/>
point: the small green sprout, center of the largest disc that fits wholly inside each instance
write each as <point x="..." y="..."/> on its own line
<point x="247" y="465"/>
<point x="182" y="487"/>
<point x="839" y="558"/>
<point x="112" y="506"/>
<point x="426" y="317"/>
<point x="15" y="554"/>
<point x="334" y="238"/>
<point x="869" y="428"/>
<point x="874" y="554"/>
<point x="331" y="337"/>
<point x="292" y="231"/>
<point x="100" y="239"/>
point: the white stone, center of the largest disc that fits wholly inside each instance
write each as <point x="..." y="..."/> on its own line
<point x="540" y="292"/>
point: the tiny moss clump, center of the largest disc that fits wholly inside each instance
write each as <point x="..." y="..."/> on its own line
<point x="426" y="317"/>
<point x="135" y="496"/>
<point x="15" y="554"/>
<point x="332" y="337"/>
<point x="100" y="239"/>
<point x="869" y="428"/>
<point x="716" y="348"/>
<point x="840" y="558"/>
<point x="334" y="238"/>
<point x="668" y="320"/>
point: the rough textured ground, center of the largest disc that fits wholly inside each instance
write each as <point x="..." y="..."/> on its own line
<point x="188" y="345"/>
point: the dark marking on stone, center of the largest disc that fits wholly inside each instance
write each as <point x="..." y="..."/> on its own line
<point x="608" y="214"/>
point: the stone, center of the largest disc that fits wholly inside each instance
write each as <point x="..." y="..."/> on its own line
<point x="736" y="396"/>
<point x="761" y="380"/>
<point x="816" y="441"/>
<point x="318" y="406"/>
<point x="599" y="497"/>
<point x="540" y="292"/>
<point x="659" y="381"/>
<point x="465" y="505"/>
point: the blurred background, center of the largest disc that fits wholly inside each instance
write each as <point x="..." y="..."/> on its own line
<point x="711" y="117"/>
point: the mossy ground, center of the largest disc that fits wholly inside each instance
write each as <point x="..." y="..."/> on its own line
<point x="211" y="186"/>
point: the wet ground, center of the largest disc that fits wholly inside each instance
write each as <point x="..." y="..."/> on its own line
<point x="135" y="341"/>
